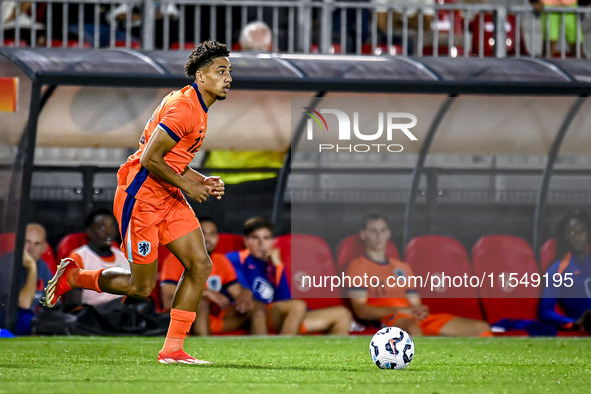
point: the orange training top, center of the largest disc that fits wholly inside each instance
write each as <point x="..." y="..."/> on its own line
<point x="183" y="116"/>
<point x="222" y="272"/>
<point x="390" y="284"/>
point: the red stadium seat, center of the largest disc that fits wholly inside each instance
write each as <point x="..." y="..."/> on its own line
<point x="381" y="49"/>
<point x="229" y="242"/>
<point x="134" y="44"/>
<point x="547" y="254"/>
<point x="12" y="43"/>
<point x="352" y="247"/>
<point x="49" y="257"/>
<point x="444" y="25"/>
<point x="69" y="44"/>
<point x="309" y="255"/>
<point x="443" y="50"/>
<point x="488" y="40"/>
<point x="236" y="47"/>
<point x="431" y="255"/>
<point x="7" y="241"/>
<point x="70" y="242"/>
<point x="498" y="255"/>
<point x="189" y="46"/>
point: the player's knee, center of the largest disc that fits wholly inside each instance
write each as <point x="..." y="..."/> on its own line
<point x="298" y="307"/>
<point x="344" y="315"/>
<point x="199" y="267"/>
<point x="258" y="310"/>
<point x="142" y="291"/>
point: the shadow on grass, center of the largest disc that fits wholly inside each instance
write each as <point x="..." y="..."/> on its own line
<point x="223" y="365"/>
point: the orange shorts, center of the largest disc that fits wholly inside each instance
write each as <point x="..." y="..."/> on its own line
<point x="216" y="323"/>
<point x="431" y="325"/>
<point x="145" y="226"/>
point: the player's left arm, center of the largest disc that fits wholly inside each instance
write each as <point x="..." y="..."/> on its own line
<point x="159" y="144"/>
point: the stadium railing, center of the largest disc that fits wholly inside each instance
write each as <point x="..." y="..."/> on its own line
<point x="299" y="26"/>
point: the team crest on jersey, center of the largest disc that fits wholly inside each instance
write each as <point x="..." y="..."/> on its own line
<point x="214" y="283"/>
<point x="399" y="273"/>
<point x="264" y="289"/>
<point x="144" y="248"/>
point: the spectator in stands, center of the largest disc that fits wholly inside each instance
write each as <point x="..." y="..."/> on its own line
<point x="572" y="267"/>
<point x="352" y="30"/>
<point x="551" y="26"/>
<point x="217" y="311"/>
<point x="256" y="36"/>
<point x="35" y="276"/>
<point x="413" y="21"/>
<point x="20" y="16"/>
<point x="259" y="268"/>
<point x="267" y="15"/>
<point x="118" y="18"/>
<point x="392" y="305"/>
<point x="99" y="253"/>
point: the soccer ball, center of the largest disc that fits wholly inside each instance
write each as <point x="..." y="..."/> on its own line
<point x="391" y="348"/>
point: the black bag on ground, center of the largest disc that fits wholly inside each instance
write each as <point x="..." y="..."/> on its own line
<point x="124" y="316"/>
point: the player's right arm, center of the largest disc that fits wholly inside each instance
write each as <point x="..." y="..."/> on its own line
<point x="217" y="298"/>
<point x="159" y="144"/>
<point x="27" y="292"/>
<point x="363" y="311"/>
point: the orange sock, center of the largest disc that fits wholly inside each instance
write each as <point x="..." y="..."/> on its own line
<point x="487" y="334"/>
<point x="180" y="325"/>
<point x="88" y="279"/>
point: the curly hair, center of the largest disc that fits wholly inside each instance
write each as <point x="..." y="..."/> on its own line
<point x="562" y="245"/>
<point x="203" y="56"/>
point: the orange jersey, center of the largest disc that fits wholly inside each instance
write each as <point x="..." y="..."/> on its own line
<point x="385" y="290"/>
<point x="222" y="272"/>
<point x="183" y="116"/>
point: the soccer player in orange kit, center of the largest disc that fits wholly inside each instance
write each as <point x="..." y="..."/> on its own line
<point x="150" y="206"/>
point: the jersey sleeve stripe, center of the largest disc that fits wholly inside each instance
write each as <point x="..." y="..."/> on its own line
<point x="169" y="131"/>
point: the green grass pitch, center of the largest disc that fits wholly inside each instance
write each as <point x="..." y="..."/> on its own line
<point x="309" y="364"/>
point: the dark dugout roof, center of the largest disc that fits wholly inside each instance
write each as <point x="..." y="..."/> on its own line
<point x="123" y="67"/>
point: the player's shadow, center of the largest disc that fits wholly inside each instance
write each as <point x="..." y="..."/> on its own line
<point x="285" y="368"/>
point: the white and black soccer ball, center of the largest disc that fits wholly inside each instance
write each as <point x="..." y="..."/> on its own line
<point x="391" y="348"/>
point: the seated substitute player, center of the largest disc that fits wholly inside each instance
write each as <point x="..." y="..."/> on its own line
<point x="395" y="306"/>
<point x="259" y="268"/>
<point x="574" y="262"/>
<point x="217" y="311"/>
<point x="99" y="253"/>
<point x="150" y="206"/>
